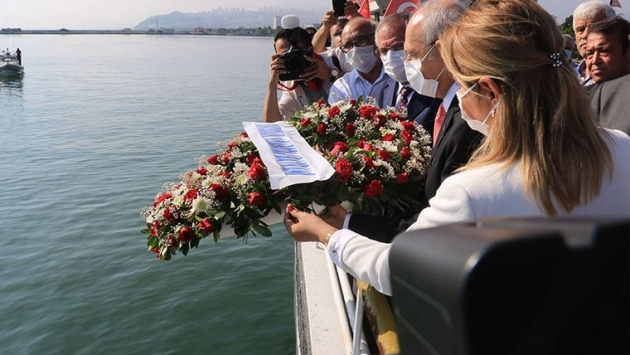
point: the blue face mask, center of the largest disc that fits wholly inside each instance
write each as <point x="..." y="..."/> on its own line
<point x="568" y="53"/>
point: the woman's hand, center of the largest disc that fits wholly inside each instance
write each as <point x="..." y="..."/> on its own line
<point x="306" y="227"/>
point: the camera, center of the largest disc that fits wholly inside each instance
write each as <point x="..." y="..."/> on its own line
<point x="295" y="63"/>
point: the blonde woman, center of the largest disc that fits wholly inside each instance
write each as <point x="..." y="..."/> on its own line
<point x="543" y="154"/>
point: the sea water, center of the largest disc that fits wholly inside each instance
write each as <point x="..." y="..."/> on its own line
<point x="87" y="138"/>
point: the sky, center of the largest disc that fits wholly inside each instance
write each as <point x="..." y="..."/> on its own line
<point x="117" y="14"/>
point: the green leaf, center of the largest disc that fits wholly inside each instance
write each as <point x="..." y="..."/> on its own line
<point x="264" y="231"/>
<point x="184" y="248"/>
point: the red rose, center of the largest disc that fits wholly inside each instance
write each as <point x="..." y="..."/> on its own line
<point x="226" y="157"/>
<point x="405" y="153"/>
<point x="388" y="137"/>
<point x="368" y="161"/>
<point x="206" y="226"/>
<point x="249" y="159"/>
<point x="162" y="197"/>
<point x="344" y="169"/>
<point x="367" y="111"/>
<point x="352" y="102"/>
<point x="225" y="173"/>
<point x="339" y="147"/>
<point x="408" y="125"/>
<point x="186" y="234"/>
<point x="321" y="129"/>
<point x="257" y="172"/>
<point x="202" y="171"/>
<point x="257" y="161"/>
<point x="232" y="145"/>
<point x="305" y="122"/>
<point x="321" y="103"/>
<point x="190" y="195"/>
<point x="402" y="178"/>
<point x="244" y="135"/>
<point x="333" y="111"/>
<point x="213" y="159"/>
<point x="395" y="116"/>
<point x="220" y="191"/>
<point x="361" y="143"/>
<point x="379" y="121"/>
<point x="168" y="215"/>
<point x="256" y="198"/>
<point x="383" y="154"/>
<point x="350" y="129"/>
<point x="373" y="189"/>
<point x="407" y="136"/>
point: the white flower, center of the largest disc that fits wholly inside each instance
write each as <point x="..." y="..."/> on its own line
<point x="200" y="204"/>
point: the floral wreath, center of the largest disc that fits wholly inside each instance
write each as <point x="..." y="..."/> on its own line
<point x="380" y="162"/>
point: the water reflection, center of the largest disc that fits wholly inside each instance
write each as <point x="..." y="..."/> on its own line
<point x="11" y="81"/>
<point x="11" y="102"/>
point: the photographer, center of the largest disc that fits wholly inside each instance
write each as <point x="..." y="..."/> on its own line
<point x="299" y="73"/>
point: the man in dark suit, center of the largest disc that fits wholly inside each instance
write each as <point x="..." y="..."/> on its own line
<point x="455" y="140"/>
<point x="390" y="41"/>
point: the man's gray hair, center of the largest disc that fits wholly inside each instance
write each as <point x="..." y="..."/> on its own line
<point x="398" y="18"/>
<point x="592" y="9"/>
<point x="442" y="16"/>
<point x="569" y="39"/>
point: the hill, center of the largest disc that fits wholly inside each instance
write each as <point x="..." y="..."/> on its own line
<point x="227" y="18"/>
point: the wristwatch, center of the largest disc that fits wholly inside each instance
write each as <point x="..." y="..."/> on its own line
<point x="333" y="74"/>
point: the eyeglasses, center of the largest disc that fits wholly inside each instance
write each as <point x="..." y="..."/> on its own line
<point x="361" y="41"/>
<point x="396" y="46"/>
<point x="414" y="55"/>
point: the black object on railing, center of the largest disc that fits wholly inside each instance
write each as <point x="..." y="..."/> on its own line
<point x="514" y="286"/>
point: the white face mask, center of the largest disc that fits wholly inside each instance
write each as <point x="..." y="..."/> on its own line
<point x="423" y="86"/>
<point x="362" y="58"/>
<point x="475" y="125"/>
<point x="394" y="65"/>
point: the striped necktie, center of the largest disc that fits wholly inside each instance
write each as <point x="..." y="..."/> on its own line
<point x="402" y="98"/>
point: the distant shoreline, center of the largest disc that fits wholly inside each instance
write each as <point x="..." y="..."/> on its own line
<point x="267" y="32"/>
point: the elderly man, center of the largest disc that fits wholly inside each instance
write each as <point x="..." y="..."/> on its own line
<point x="608" y="61"/>
<point x="456" y="140"/>
<point x="390" y="41"/>
<point x="585" y="14"/>
<point x="368" y="77"/>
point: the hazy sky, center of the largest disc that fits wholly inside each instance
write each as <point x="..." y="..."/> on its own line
<point x="116" y="14"/>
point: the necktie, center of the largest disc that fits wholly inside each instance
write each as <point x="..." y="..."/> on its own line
<point x="402" y="98"/>
<point x="439" y="119"/>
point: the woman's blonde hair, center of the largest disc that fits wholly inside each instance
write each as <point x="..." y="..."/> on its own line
<point x="543" y="120"/>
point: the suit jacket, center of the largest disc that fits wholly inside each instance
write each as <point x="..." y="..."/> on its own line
<point x="611" y="102"/>
<point x="421" y="109"/>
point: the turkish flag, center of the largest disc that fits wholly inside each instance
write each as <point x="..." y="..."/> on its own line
<point x="402" y="6"/>
<point x="615" y="3"/>
<point x="364" y="8"/>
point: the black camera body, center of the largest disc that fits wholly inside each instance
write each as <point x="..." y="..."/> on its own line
<point x="295" y="63"/>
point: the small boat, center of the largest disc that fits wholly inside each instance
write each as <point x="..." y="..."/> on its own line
<point x="9" y="64"/>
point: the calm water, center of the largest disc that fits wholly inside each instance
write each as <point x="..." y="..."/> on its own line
<point x="87" y="138"/>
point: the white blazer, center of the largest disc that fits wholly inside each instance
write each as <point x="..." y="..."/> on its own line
<point x="476" y="194"/>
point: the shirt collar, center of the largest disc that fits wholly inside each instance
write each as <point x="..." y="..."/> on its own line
<point x="450" y="94"/>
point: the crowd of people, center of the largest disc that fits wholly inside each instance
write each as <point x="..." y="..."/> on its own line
<point x="519" y="127"/>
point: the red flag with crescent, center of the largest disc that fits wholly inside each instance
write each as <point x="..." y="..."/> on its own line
<point x="402" y="6"/>
<point x="615" y="3"/>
